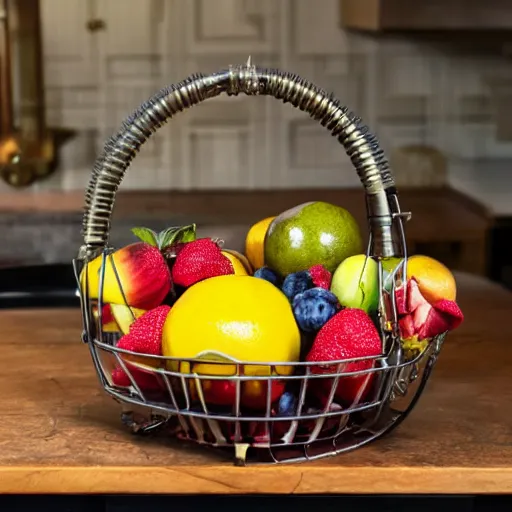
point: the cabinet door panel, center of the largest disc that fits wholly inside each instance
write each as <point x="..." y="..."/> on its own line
<point x="130" y="55"/>
<point x="132" y="27"/>
<point x="68" y="46"/>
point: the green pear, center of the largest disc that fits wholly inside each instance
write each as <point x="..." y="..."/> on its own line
<point x="356" y="283"/>
<point x="313" y="233"/>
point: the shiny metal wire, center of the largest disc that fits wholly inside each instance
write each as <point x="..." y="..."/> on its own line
<point x="180" y="405"/>
<point x="360" y="145"/>
<point x="179" y="402"/>
<point x="261" y="436"/>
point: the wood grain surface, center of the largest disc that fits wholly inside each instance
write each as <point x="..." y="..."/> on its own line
<point x="59" y="433"/>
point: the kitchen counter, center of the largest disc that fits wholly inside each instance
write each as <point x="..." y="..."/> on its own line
<point x="46" y="227"/>
<point x="60" y="433"/>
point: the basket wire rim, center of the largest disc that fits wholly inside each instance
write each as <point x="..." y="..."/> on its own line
<point x="390" y="363"/>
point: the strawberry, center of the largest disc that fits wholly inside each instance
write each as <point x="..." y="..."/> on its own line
<point x="138" y="274"/>
<point x="421" y="320"/>
<point x="146" y="381"/>
<point x="446" y="316"/>
<point x="409" y="297"/>
<point x="320" y="276"/>
<point x="349" y="334"/>
<point x="199" y="260"/>
<point x="145" y="335"/>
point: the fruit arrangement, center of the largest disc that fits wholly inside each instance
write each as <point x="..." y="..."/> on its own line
<point x="201" y="326"/>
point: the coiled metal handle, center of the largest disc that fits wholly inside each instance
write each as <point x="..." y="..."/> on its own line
<point x="360" y="145"/>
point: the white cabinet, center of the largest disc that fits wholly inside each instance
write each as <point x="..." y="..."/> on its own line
<point x="130" y="63"/>
<point x="132" y="27"/>
<point x="71" y="75"/>
<point x="95" y="78"/>
<point x="71" y="63"/>
<point x="69" y="48"/>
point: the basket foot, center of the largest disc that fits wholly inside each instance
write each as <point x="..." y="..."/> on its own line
<point x="142" y="426"/>
<point x="241" y="453"/>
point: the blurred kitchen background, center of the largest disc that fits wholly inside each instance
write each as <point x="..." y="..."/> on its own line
<point x="432" y="78"/>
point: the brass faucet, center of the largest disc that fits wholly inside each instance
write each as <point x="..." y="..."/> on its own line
<point x="27" y="146"/>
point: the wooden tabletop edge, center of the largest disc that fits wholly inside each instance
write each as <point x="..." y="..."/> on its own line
<point x="282" y="479"/>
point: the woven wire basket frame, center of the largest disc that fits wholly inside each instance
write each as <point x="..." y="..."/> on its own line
<point x="397" y="377"/>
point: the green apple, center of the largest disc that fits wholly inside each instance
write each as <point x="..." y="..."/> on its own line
<point x="356" y="283"/>
<point x="313" y="233"/>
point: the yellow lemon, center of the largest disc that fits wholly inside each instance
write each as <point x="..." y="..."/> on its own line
<point x="240" y="263"/>
<point x="232" y="317"/>
<point x="255" y="242"/>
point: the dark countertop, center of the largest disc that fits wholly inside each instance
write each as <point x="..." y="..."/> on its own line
<point x="55" y="237"/>
<point x="46" y="228"/>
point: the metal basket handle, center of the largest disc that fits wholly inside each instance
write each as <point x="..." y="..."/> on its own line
<point x="360" y="145"/>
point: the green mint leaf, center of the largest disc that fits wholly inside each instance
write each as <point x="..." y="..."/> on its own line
<point x="188" y="233"/>
<point x="176" y="234"/>
<point x="146" y="235"/>
<point x="165" y="236"/>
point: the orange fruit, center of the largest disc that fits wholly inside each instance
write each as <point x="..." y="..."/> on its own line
<point x="435" y="280"/>
<point x="255" y="242"/>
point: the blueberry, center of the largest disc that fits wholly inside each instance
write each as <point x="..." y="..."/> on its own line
<point x="313" y="308"/>
<point x="286" y="406"/>
<point x="269" y="275"/>
<point x="296" y="283"/>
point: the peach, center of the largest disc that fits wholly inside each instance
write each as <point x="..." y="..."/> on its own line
<point x="435" y="280"/>
<point x="136" y="275"/>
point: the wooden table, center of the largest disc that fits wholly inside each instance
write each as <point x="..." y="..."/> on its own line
<point x="59" y="433"/>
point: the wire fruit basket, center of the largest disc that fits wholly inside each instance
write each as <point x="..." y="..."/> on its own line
<point x="311" y="426"/>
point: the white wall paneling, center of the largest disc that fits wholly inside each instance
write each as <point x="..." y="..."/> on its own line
<point x="70" y="51"/>
<point x="408" y="93"/>
<point x="230" y="26"/>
